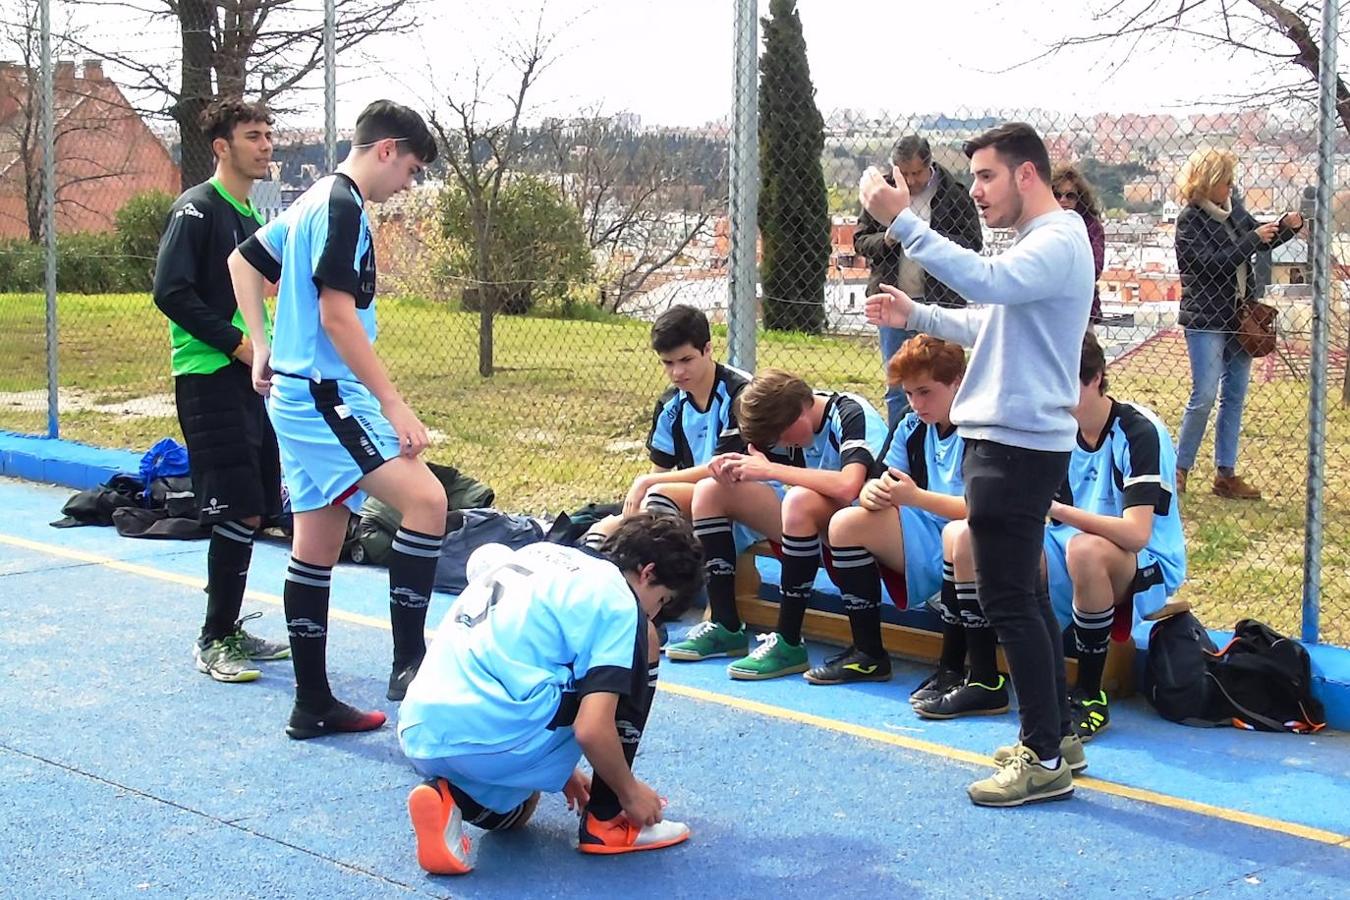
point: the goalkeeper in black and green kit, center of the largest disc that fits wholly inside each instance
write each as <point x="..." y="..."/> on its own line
<point x="232" y="451"/>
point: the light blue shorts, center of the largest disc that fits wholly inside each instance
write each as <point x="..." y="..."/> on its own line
<point x="1150" y="588"/>
<point x="922" y="534"/>
<point x="504" y="780"/>
<point x="331" y="434"/>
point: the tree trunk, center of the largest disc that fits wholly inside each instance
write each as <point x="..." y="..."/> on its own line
<point x="198" y="162"/>
<point x="487" y="293"/>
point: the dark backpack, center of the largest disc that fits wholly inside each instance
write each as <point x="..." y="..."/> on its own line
<point x="470" y="529"/>
<point x="1176" y="674"/>
<point x="1265" y="679"/>
<point x="568" y="528"/>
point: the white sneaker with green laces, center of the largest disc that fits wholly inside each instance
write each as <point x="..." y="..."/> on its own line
<point x="257" y="648"/>
<point x="224" y="660"/>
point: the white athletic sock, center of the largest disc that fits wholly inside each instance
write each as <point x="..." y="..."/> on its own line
<point x="1051" y="764"/>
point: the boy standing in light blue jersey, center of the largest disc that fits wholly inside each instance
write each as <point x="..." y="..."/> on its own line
<point x="549" y="654"/>
<point x="832" y="442"/>
<point x="1014" y="410"/>
<point x="1115" y="548"/>
<point x="341" y="425"/>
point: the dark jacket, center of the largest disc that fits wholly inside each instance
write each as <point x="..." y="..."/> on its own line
<point x="1097" y="238"/>
<point x="1208" y="257"/>
<point x="954" y="217"/>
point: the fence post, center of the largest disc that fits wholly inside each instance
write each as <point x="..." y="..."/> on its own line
<point x="49" y="216"/>
<point x="1321" y="309"/>
<point x="329" y="86"/>
<point x="743" y="201"/>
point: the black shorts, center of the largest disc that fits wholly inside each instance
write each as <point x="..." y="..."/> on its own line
<point x="232" y="451"/>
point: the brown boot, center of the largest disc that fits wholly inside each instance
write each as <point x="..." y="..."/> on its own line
<point x="1232" y="487"/>
<point x="1181" y="481"/>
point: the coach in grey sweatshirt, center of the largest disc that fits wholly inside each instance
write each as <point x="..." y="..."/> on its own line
<point x="1015" y="410"/>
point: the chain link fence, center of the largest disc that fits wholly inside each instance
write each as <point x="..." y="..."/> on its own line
<point x="600" y="221"/>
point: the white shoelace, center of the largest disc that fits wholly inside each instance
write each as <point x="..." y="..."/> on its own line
<point x="766" y="644"/>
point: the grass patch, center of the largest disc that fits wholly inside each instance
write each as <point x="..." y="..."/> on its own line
<point x="563" y="419"/>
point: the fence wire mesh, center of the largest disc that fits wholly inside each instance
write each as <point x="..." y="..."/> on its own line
<point x="599" y="222"/>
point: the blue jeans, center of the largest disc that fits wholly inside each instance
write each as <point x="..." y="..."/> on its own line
<point x="1219" y="366"/>
<point x="892" y="339"/>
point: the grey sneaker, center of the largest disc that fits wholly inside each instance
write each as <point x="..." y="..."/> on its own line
<point x="1070" y="750"/>
<point x="1022" y="779"/>
<point x="255" y="647"/>
<point x="224" y="660"/>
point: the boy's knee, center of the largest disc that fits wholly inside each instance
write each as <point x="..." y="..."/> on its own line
<point x="848" y="527"/>
<point x="1089" y="554"/>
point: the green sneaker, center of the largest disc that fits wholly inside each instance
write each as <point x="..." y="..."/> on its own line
<point x="773" y="658"/>
<point x="1022" y="779"/>
<point x="257" y="648"/>
<point x="708" y="639"/>
<point x="224" y="660"/>
<point x="1070" y="750"/>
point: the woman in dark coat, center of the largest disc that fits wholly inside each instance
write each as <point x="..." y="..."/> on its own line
<point x="1215" y="243"/>
<point x="1074" y="192"/>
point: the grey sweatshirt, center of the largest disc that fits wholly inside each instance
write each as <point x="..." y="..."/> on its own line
<point x="1021" y="383"/>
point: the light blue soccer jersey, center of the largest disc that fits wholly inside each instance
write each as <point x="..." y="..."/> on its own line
<point x="933" y="461"/>
<point x="851" y="431"/>
<point x="683" y="436"/>
<point x="1134" y="465"/>
<point x="518" y="650"/>
<point x="323" y="238"/>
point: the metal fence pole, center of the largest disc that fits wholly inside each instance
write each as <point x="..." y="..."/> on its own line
<point x="1321" y="300"/>
<point x="743" y="201"/>
<point x="329" y="85"/>
<point x="49" y="216"/>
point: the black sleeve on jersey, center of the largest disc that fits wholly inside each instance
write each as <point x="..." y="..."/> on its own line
<point x="256" y="255"/>
<point x="730" y="440"/>
<point x="608" y="680"/>
<point x="337" y="266"/>
<point x="1141" y="441"/>
<point x="660" y="457"/>
<point x="178" y="269"/>
<point x="853" y="427"/>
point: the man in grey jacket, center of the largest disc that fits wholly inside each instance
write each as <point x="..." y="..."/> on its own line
<point x="1015" y="411"/>
<point x="937" y="198"/>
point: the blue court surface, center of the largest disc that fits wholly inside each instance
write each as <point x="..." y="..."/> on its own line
<point x="125" y="773"/>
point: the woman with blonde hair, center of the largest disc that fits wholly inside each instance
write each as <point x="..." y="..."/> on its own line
<point x="1075" y="192"/>
<point x="1215" y="242"/>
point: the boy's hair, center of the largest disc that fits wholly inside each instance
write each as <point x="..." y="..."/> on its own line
<point x="770" y="403"/>
<point x="1015" y="143"/>
<point x="221" y="116"/>
<point x="385" y="119"/>
<point x="924" y="354"/>
<point x="670" y="543"/>
<point x="1092" y="362"/>
<point x="678" y="326"/>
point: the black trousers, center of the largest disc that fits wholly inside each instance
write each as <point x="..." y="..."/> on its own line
<point x="1008" y="493"/>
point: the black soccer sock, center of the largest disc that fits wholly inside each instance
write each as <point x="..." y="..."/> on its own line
<point x="630" y="718"/>
<point x="859" y="583"/>
<point x="479" y="815"/>
<point x="661" y="504"/>
<point x="412" y="572"/>
<point x="981" y="641"/>
<point x="305" y="600"/>
<point x="1092" y="638"/>
<point x="719" y="553"/>
<point x="801" y="562"/>
<point x="953" y="657"/>
<point x="227" y="560"/>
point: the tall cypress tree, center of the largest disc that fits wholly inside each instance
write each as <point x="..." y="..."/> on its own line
<point x="794" y="217"/>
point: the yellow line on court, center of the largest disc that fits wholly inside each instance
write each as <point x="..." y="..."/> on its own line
<point x="1141" y="795"/>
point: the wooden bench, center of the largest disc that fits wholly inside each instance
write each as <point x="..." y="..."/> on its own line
<point x="914" y="643"/>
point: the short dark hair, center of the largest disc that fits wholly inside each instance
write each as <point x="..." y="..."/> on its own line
<point x="385" y="119"/>
<point x="221" y="116"/>
<point x="1015" y="143"/>
<point x="670" y="543"/>
<point x="678" y="326"/>
<point x="910" y="146"/>
<point x="1093" y="361"/>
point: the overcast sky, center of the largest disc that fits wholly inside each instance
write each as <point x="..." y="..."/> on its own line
<point x="670" y="61"/>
